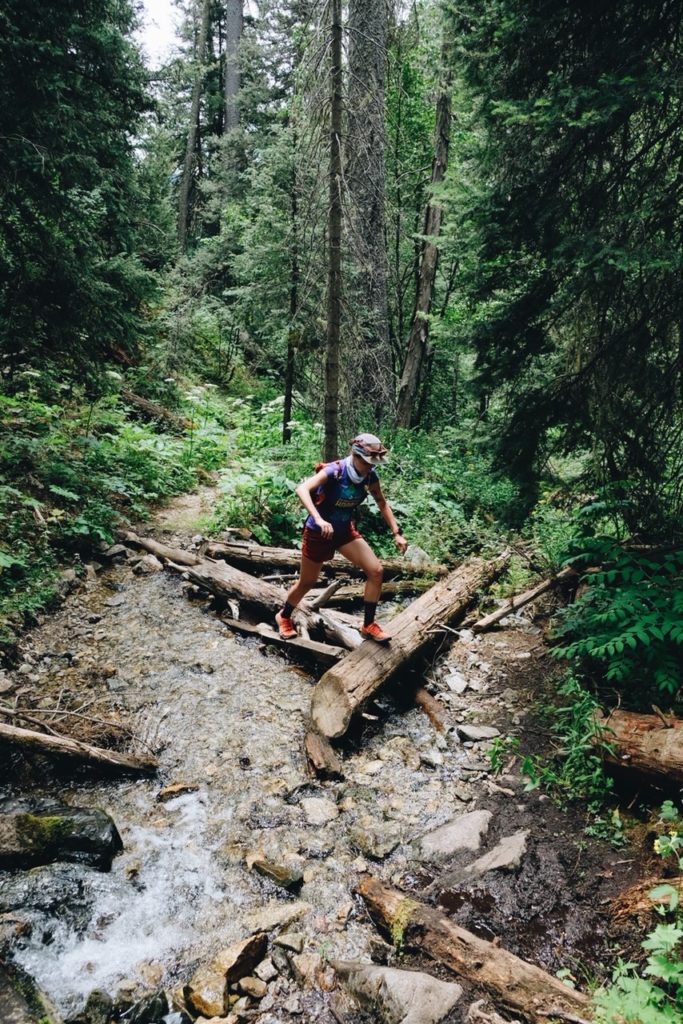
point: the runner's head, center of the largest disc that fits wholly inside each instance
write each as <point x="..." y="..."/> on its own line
<point x="370" y="449"/>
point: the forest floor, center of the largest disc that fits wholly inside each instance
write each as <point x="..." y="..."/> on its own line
<point x="133" y="647"/>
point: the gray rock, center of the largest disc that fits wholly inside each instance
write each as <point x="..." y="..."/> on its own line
<point x="456" y="682"/>
<point x="290" y="940"/>
<point x="376" y="843"/>
<point x="288" y="876"/>
<point x="476" y="733"/>
<point x="462" y="833"/>
<point x="147" y="565"/>
<point x="319" y="811"/>
<point x="266" y="971"/>
<point x="399" y="997"/>
<point x="253" y="987"/>
<point x="506" y="856"/>
<point x="274" y="915"/>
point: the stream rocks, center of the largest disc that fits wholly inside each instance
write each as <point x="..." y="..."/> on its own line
<point x="400" y="997"/>
<point x="58" y="833"/>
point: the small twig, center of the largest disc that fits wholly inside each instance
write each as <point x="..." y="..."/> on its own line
<point x="660" y="714"/>
<point x="440" y="627"/>
<point x="556" y="1012"/>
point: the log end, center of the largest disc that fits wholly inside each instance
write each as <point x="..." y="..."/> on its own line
<point x="330" y="708"/>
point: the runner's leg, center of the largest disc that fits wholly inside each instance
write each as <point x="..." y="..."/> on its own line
<point x="360" y="553"/>
<point x="308" y="576"/>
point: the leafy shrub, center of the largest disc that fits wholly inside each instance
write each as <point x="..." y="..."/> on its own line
<point x="629" y="620"/>
<point x="653" y="994"/>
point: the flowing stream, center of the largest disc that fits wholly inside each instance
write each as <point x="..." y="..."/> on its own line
<point x="230" y="719"/>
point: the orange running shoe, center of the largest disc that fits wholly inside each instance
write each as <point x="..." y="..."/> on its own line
<point x="375" y="632"/>
<point x="286" y="627"/>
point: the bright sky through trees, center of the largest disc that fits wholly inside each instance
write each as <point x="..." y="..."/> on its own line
<point x="159" y="31"/>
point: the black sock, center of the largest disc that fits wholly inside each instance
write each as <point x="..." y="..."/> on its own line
<point x="287" y="610"/>
<point x="370" y="609"/>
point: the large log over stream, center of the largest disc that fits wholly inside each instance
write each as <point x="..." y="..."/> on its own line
<point x="347" y="685"/>
<point x="647" y="744"/>
<point x="513" y="982"/>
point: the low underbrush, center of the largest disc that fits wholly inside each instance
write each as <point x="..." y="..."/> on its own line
<point x="73" y="469"/>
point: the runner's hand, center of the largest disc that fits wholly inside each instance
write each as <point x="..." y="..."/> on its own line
<point x="401" y="543"/>
<point x="326" y="528"/>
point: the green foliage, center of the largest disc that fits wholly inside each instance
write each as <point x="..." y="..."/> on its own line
<point x="629" y="620"/>
<point x="70" y="472"/>
<point x="576" y="771"/>
<point x="71" y="282"/>
<point x="567" y="226"/>
<point x="653" y="993"/>
<point x="500" y="751"/>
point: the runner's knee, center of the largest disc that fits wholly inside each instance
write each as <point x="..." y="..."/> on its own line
<point x="375" y="572"/>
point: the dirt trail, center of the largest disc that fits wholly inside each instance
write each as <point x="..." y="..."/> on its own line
<point x="230" y="718"/>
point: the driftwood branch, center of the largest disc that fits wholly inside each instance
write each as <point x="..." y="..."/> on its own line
<point x="513" y="982"/>
<point x="63" y="747"/>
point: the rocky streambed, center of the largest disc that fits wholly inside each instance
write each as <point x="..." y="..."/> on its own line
<point x="234" y="894"/>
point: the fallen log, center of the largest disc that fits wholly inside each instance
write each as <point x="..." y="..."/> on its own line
<point x="162" y="551"/>
<point x="325" y="654"/>
<point x="352" y="594"/>
<point x="513" y="982"/>
<point x="153" y="411"/>
<point x="345" y="687"/>
<point x="62" y="746"/>
<point x="247" y="554"/>
<point x="651" y="745"/>
<point x="226" y="581"/>
<point x="519" y="600"/>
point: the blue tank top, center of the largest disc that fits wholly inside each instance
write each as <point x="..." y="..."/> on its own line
<point x="342" y="496"/>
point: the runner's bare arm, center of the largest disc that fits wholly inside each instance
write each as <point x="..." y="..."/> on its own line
<point x="304" y="493"/>
<point x="385" y="508"/>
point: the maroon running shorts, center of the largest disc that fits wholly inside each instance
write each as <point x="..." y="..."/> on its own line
<point x="321" y="549"/>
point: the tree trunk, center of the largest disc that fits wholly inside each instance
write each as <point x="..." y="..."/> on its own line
<point x="345" y="687"/>
<point x="419" y="333"/>
<point x="650" y="745"/>
<point x="374" y="387"/>
<point x="334" y="230"/>
<point x="292" y="333"/>
<point x="514" y="983"/>
<point x="193" y="129"/>
<point x="233" y="37"/>
<point x="162" y="551"/>
<point x="247" y="554"/>
<point x="62" y="746"/>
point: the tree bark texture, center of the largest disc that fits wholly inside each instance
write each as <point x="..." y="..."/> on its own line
<point x="513" y="982"/>
<point x="345" y="687"/>
<point x="334" y="236"/>
<point x="254" y="557"/>
<point x="193" y="129"/>
<point x="418" y="341"/>
<point x="223" y="580"/>
<point x="62" y="746"/>
<point x="374" y="387"/>
<point x="649" y="745"/>
<point x="233" y="36"/>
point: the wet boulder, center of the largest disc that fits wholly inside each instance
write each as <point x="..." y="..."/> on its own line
<point x="59" y="833"/>
<point x="21" y="1002"/>
<point x="398" y="997"/>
